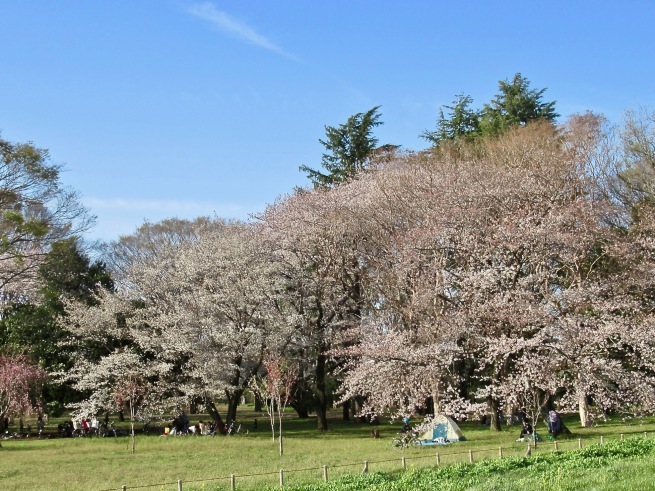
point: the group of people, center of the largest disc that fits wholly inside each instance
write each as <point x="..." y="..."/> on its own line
<point x="74" y="427"/>
<point x="181" y="426"/>
<point x="555" y="427"/>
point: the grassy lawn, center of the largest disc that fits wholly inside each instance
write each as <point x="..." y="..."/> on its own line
<point x="107" y="463"/>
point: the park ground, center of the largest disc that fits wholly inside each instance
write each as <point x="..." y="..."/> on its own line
<point x="208" y="463"/>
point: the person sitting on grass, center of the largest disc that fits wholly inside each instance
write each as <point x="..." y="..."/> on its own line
<point x="526" y="430"/>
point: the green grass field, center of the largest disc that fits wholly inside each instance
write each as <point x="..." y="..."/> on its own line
<point x="206" y="463"/>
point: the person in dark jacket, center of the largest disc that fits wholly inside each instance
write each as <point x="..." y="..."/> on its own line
<point x="526" y="429"/>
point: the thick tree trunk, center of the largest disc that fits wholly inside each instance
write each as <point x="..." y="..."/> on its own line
<point x="321" y="400"/>
<point x="234" y="395"/>
<point x="494" y="420"/>
<point x="258" y="404"/>
<point x="213" y="412"/>
<point x="346" y="410"/>
<point x="583" y="408"/>
<point x="302" y="411"/>
<point x="436" y="407"/>
<point x="233" y="399"/>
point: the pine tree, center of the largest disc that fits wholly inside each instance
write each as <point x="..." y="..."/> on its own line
<point x="349" y="148"/>
<point x="516" y="104"/>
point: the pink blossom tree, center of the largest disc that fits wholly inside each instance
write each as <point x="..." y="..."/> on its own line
<point x="275" y="388"/>
<point x="20" y="385"/>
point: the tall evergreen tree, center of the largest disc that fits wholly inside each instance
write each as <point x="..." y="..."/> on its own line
<point x="349" y="148"/>
<point x="515" y="105"/>
<point x="462" y="121"/>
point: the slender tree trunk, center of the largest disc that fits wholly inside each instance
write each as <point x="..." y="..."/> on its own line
<point x="321" y="394"/>
<point x="132" y="416"/>
<point x="346" y="410"/>
<point x="279" y="413"/>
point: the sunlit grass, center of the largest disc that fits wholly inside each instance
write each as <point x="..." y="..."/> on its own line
<point x="107" y="463"/>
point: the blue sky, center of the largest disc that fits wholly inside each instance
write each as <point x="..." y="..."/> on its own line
<point x="161" y="108"/>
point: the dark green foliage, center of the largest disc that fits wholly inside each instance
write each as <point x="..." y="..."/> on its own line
<point x="516" y="104"/>
<point x="349" y="148"/>
<point x="33" y="327"/>
<point x="67" y="270"/>
<point x="462" y="122"/>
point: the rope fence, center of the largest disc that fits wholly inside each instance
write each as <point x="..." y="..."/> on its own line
<point x="470" y="455"/>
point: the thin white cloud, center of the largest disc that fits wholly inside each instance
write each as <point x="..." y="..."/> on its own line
<point x="208" y="12"/>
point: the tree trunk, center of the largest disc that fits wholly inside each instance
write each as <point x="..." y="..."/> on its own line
<point x="193" y="407"/>
<point x="279" y="414"/>
<point x="302" y="411"/>
<point x="214" y="414"/>
<point x="132" y="434"/>
<point x="583" y="408"/>
<point x="494" y="420"/>
<point x="258" y="404"/>
<point x="436" y="407"/>
<point x="233" y="399"/>
<point x="321" y="401"/>
<point x="346" y="410"/>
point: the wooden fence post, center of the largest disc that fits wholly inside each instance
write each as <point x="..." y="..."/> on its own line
<point x="579" y="443"/>
<point x="470" y="455"/>
<point x="601" y="439"/>
<point x="325" y="474"/>
<point x="622" y="437"/>
<point x="124" y="488"/>
<point x="555" y="445"/>
<point x="179" y="485"/>
<point x="404" y="463"/>
<point x="281" y="478"/>
<point x="500" y="452"/>
<point x="365" y="471"/>
<point x="233" y="482"/>
<point x="645" y="434"/>
<point x="438" y="459"/>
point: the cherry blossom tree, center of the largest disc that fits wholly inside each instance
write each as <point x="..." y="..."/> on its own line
<point x="122" y="380"/>
<point x="275" y="388"/>
<point x="204" y="306"/>
<point x="515" y="231"/>
<point x="506" y="272"/>
<point x="20" y="385"/>
<point x="316" y="245"/>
